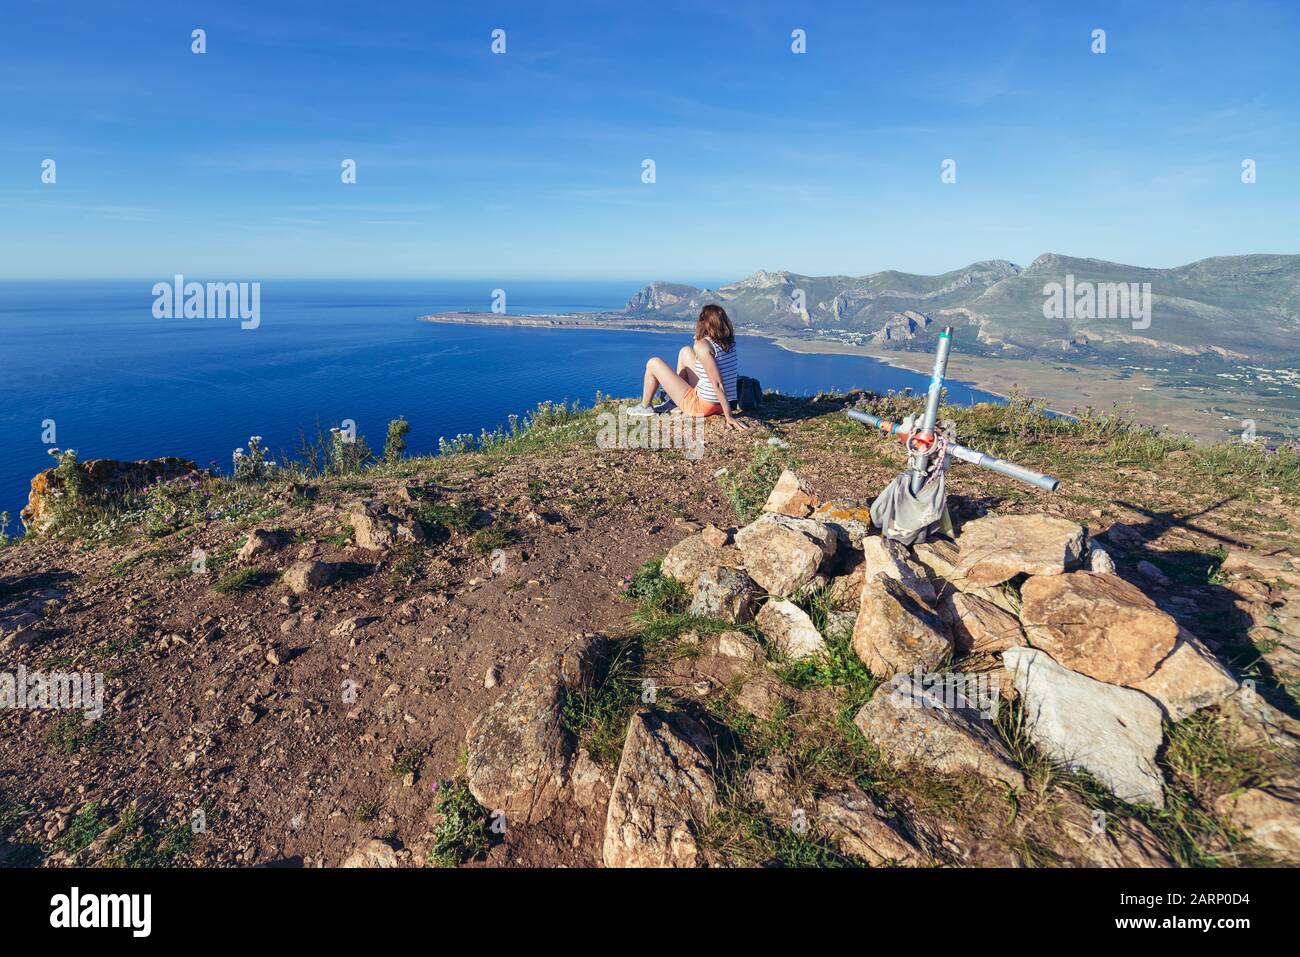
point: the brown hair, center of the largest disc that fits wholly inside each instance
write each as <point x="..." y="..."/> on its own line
<point x="714" y="324"/>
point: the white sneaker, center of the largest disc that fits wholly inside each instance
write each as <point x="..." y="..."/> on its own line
<point x="639" y="409"/>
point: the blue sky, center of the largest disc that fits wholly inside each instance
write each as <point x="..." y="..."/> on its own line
<point x="528" y="164"/>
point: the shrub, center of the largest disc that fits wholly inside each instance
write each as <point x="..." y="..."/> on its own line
<point x="395" y="443"/>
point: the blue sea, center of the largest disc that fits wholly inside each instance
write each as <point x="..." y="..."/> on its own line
<point x="119" y="383"/>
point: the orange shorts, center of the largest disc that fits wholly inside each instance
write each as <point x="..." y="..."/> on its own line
<point x="692" y="404"/>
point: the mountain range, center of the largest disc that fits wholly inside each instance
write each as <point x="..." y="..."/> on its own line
<point x="1230" y="308"/>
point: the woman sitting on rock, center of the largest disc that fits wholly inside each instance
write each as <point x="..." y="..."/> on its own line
<point x="704" y="382"/>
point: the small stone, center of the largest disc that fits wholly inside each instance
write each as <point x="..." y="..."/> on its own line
<point x="938" y="727"/>
<point x="693" y="556"/>
<point x="737" y="644"/>
<point x="492" y="677"/>
<point x="1099" y="561"/>
<point x="371" y="853"/>
<point x="1152" y="573"/>
<point x="306" y="576"/>
<point x="726" y="594"/>
<point x="715" y="537"/>
<point x="788" y="628"/>
<point x="260" y="541"/>
<point x="791" y="497"/>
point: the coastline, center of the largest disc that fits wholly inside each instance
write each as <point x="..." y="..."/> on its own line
<point x="1064" y="387"/>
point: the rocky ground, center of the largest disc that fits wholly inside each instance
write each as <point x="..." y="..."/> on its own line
<point x="545" y="652"/>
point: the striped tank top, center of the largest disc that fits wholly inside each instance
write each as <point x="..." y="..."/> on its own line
<point x="726" y="369"/>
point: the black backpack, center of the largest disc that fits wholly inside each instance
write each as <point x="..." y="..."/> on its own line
<point x="749" y="392"/>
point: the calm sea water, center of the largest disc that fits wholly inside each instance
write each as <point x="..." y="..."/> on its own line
<point x="119" y="383"/>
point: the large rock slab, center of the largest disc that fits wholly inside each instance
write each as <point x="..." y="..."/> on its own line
<point x="1097" y="625"/>
<point x="937" y="728"/>
<point x="1189" y="679"/>
<point x="999" y="547"/>
<point x="896" y="631"/>
<point x="788" y="628"/>
<point x="1113" y="733"/>
<point x="977" y="624"/>
<point x="725" y="593"/>
<point x="694" y="555"/>
<point x="784" y="554"/>
<point x="790" y="496"/>
<point x="518" y="753"/>
<point x="663" y="793"/>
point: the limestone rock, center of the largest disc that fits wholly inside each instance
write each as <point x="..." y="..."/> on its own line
<point x="371" y="853"/>
<point x="663" y="792"/>
<point x="310" y="575"/>
<point x="260" y="541"/>
<point x="725" y="593"/>
<point x="1125" y="537"/>
<point x="791" y="497"/>
<point x="592" y="784"/>
<point x="693" y="556"/>
<point x="101" y="480"/>
<point x="788" y="628"/>
<point x="858" y="825"/>
<point x="376" y="528"/>
<point x="1108" y="840"/>
<point x="1269" y="816"/>
<point x="1256" y="723"/>
<point x="783" y="554"/>
<point x="851" y="522"/>
<point x="518" y="754"/>
<point x="938" y="728"/>
<point x="979" y="625"/>
<point x="762" y="695"/>
<point x="881" y="556"/>
<point x="737" y="644"/>
<point x="998" y="547"/>
<point x="846" y="589"/>
<point x="1109" y="731"/>
<point x="715" y="537"/>
<point x="1099" y="560"/>
<point x="896" y="631"/>
<point x="1097" y="625"/>
<point x="1189" y="679"/>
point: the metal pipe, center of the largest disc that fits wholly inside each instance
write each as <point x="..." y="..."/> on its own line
<point x="1047" y="483"/>
<point x="921" y="460"/>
